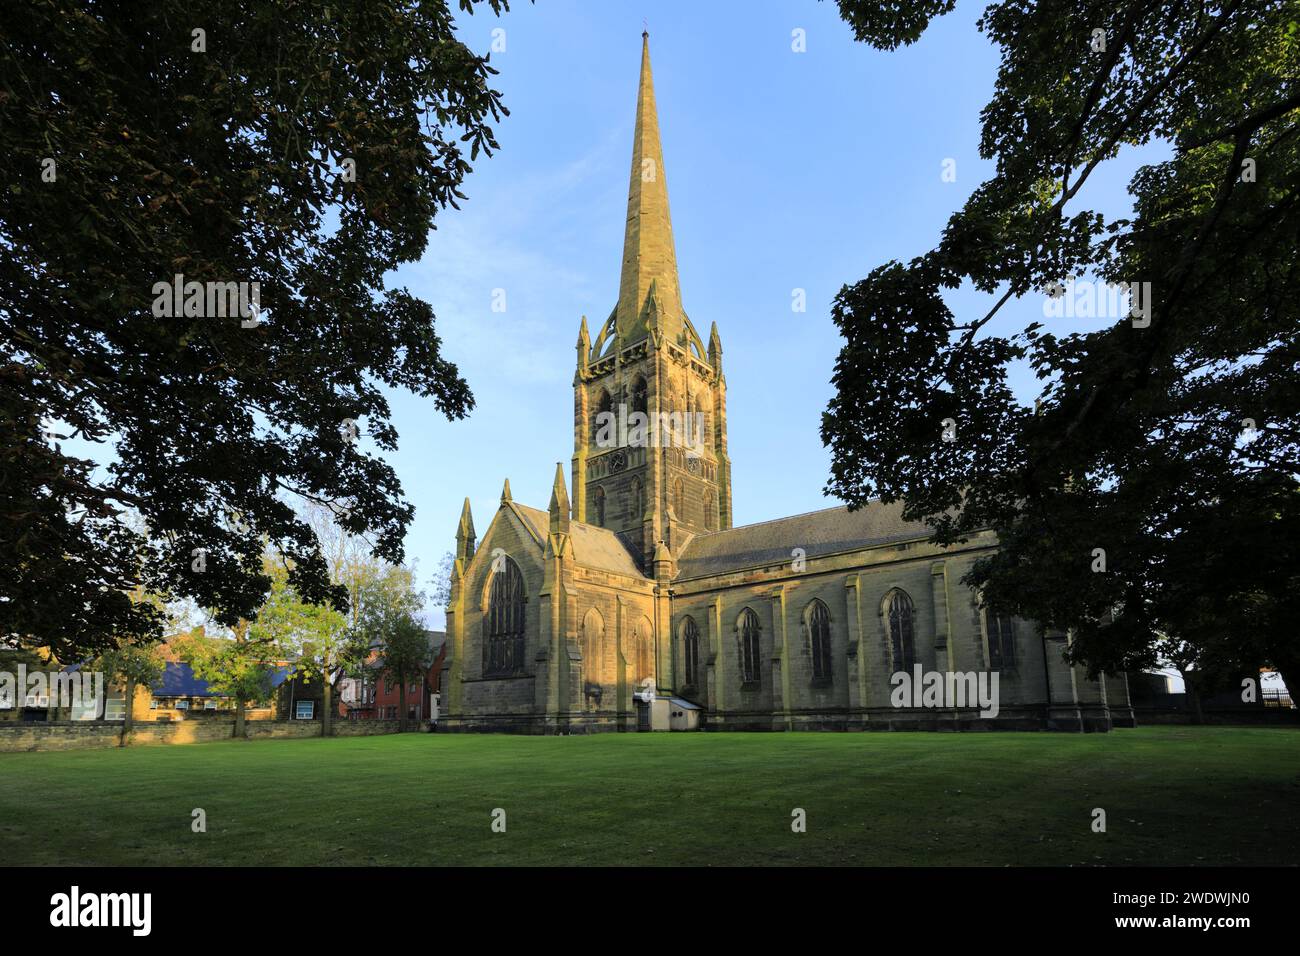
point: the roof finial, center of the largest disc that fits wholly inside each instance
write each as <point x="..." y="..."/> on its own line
<point x="559" y="507"/>
<point x="645" y="29"/>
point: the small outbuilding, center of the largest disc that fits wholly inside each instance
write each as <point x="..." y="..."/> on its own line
<point x="674" y="713"/>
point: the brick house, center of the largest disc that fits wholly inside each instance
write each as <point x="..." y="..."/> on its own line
<point x="419" y="695"/>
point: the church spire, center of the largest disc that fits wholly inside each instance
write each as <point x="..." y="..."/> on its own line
<point x="648" y="252"/>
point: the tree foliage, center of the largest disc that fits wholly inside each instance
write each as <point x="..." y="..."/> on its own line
<point x="215" y="141"/>
<point x="404" y="656"/>
<point x="1167" y="447"/>
<point x="388" y="626"/>
<point x="308" y="634"/>
<point x="441" y="595"/>
<point x="130" y="664"/>
<point x="241" y="667"/>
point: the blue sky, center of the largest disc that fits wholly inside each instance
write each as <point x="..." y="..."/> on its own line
<point x="785" y="171"/>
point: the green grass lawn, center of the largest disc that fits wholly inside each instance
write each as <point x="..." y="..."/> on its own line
<point x="1201" y="796"/>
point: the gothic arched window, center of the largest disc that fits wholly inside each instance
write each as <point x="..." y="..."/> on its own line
<point x="690" y="651"/>
<point x="593" y="647"/>
<point x="1002" y="641"/>
<point x="900" y="619"/>
<point x="503" y="625"/>
<point x="602" y="421"/>
<point x="679" y="500"/>
<point x="598" y="502"/>
<point x="748" y="630"/>
<point x="710" y="512"/>
<point x="817" y="620"/>
<point x="640" y="395"/>
<point x="644" y="653"/>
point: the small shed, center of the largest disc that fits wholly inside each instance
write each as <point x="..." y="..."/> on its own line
<point x="681" y="714"/>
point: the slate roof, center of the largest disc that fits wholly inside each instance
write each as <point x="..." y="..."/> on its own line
<point x="682" y="703"/>
<point x="178" y="680"/>
<point x="818" y="533"/>
<point x="593" y="547"/>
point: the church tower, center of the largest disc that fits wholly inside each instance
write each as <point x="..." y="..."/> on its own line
<point x="649" y="398"/>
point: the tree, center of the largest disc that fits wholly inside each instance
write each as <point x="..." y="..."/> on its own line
<point x="280" y="159"/>
<point x="404" y="656"/>
<point x="313" y="636"/>
<point x="388" y="624"/>
<point x="441" y="595"/>
<point x="367" y="580"/>
<point x="1150" y="494"/>
<point x="240" y="666"/>
<point x="132" y="665"/>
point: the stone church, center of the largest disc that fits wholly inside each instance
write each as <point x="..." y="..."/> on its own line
<point x="632" y="602"/>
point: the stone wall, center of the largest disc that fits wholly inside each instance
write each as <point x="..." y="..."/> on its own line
<point x="949" y="634"/>
<point x="90" y="735"/>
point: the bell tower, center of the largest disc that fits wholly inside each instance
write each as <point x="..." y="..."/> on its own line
<point x="649" y="398"/>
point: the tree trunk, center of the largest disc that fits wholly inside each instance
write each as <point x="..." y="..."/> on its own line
<point x="401" y="706"/>
<point x="1193" y="698"/>
<point x="241" y="635"/>
<point x="126" y="717"/>
<point x="326" y="718"/>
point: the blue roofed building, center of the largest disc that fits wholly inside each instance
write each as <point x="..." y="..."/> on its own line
<point x="180" y="693"/>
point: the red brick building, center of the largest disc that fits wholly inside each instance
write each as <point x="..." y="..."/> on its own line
<point x="419" y="693"/>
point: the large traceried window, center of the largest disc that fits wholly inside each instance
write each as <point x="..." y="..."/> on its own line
<point x="817" y="621"/>
<point x="690" y="652"/>
<point x="748" y="630"/>
<point x="503" y="625"/>
<point x="900" y="622"/>
<point x="1002" y="641"/>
